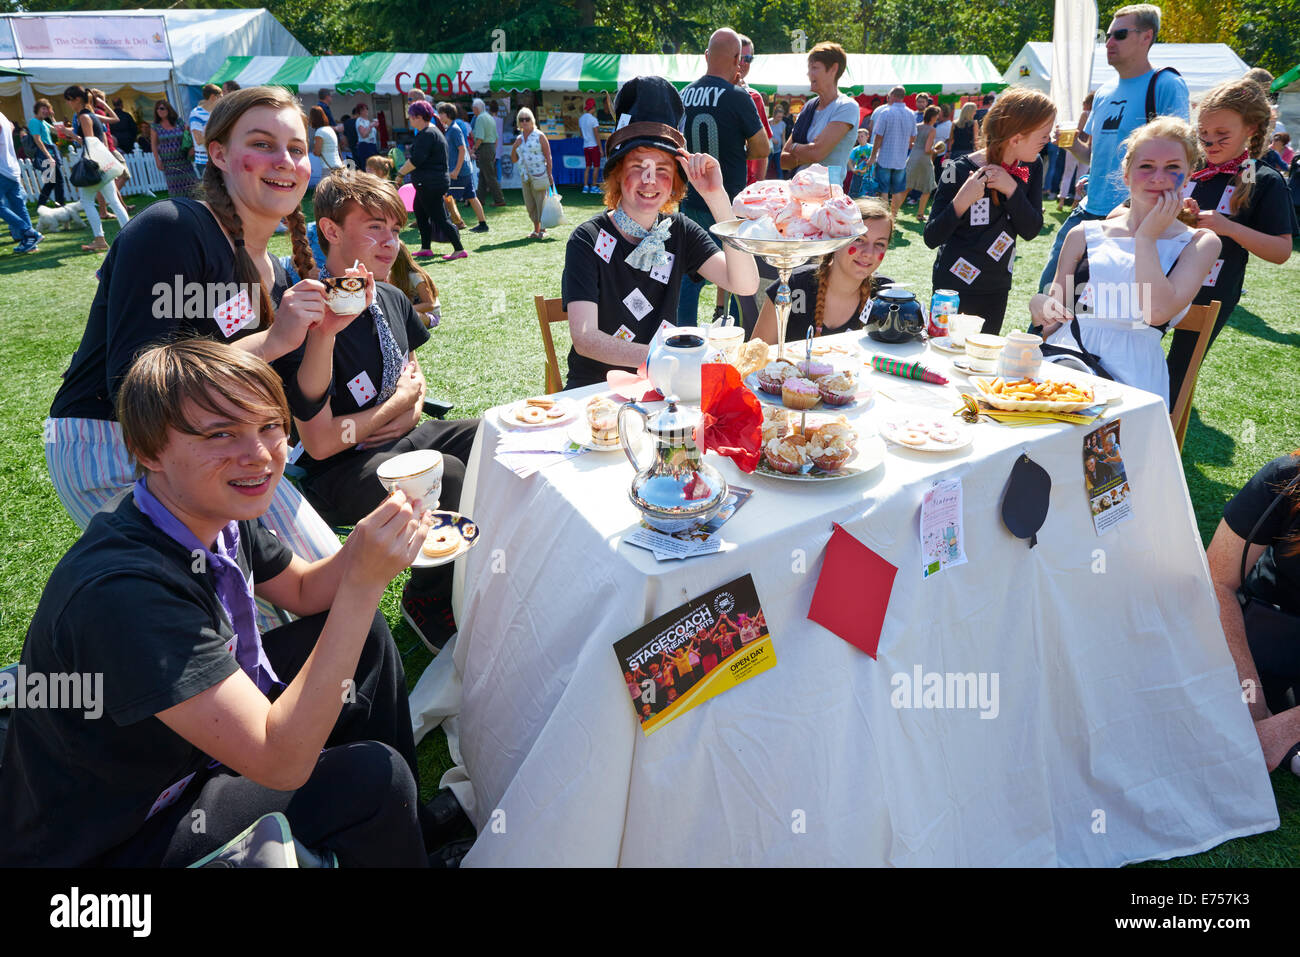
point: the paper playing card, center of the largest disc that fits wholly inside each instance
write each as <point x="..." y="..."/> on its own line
<point x="979" y="212"/>
<point x="852" y="591"/>
<point x="234" y="314"/>
<point x="637" y="304"/>
<point x="1223" y="206"/>
<point x="1188" y="187"/>
<point x="230" y="645"/>
<point x="624" y="333"/>
<point x="605" y="244"/>
<point x="964" y="271"/>
<point x="169" y="796"/>
<point x="1213" y="277"/>
<point x="1085" y="297"/>
<point x="661" y="273"/>
<point x="362" y="389"/>
<point x="1000" y="246"/>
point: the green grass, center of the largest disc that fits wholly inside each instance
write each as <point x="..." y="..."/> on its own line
<point x="488" y="349"/>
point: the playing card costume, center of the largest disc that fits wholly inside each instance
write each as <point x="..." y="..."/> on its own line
<point x="977" y="249"/>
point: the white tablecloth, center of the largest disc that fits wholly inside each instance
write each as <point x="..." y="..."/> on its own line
<point x="1120" y="734"/>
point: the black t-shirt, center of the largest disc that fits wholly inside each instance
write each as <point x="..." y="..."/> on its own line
<point x="631" y="303"/>
<point x="803" y="305"/>
<point x="165" y="276"/>
<point x="720" y="117"/>
<point x="963" y="138"/>
<point x="1268" y="210"/>
<point x="429" y="157"/>
<point x="357" y="353"/>
<point x="123" y="603"/>
<point x="982" y="254"/>
<point x="1276" y="577"/>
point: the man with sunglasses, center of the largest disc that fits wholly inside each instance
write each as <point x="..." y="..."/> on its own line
<point x="1119" y="107"/>
<point x="756" y="167"/>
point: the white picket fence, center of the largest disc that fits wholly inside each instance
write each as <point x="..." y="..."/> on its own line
<point x="146" y="178"/>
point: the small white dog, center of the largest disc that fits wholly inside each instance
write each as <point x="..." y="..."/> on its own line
<point x="52" y="218"/>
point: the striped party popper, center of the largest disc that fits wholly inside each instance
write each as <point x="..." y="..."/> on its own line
<point x="906" y="370"/>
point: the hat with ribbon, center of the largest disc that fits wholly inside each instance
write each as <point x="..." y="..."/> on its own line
<point x="649" y="110"/>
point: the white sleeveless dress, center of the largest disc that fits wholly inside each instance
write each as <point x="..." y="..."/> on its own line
<point x="1110" y="319"/>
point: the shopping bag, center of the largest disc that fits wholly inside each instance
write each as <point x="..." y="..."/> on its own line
<point x="552" y="210"/>
<point x="110" y="167"/>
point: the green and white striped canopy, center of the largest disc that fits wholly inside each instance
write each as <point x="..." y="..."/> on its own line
<point x="462" y="73"/>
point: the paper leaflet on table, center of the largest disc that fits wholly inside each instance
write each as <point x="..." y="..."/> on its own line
<point x="852" y="592"/>
<point x="1104" y="478"/>
<point x="943" y="544"/>
<point x="525" y="451"/>
<point x="701" y="540"/>
<point x="694" y="652"/>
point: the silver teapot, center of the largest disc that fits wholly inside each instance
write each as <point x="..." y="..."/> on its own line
<point x="677" y="489"/>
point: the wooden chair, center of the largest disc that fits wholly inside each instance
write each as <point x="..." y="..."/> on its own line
<point x="1200" y="320"/>
<point x="549" y="311"/>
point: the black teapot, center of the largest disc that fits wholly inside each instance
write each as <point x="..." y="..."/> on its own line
<point x="894" y="315"/>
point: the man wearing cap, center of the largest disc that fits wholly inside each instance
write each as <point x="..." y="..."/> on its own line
<point x="485" y="148"/>
<point x="588" y="124"/>
<point x="720" y="120"/>
<point x="623" y="269"/>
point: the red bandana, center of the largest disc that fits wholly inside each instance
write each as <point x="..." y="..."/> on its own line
<point x="1231" y="168"/>
<point x="1019" y="172"/>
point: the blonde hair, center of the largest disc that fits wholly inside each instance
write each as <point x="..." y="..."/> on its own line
<point x="525" y="111"/>
<point x="1146" y="14"/>
<point x="1245" y="98"/>
<point x="407" y="275"/>
<point x="1165" y="128"/>
<point x="202" y="371"/>
<point x="221" y="124"/>
<point x="380" y="166"/>
<point x="871" y="210"/>
<point x="967" y="115"/>
<point x="345" y="186"/>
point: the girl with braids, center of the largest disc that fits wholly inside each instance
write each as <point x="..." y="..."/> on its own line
<point x="988" y="198"/>
<point x="1241" y="200"/>
<point x="829" y="298"/>
<point x="1122" y="282"/>
<point x="184" y="268"/>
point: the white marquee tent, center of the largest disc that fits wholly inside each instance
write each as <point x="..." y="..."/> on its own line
<point x="1202" y="65"/>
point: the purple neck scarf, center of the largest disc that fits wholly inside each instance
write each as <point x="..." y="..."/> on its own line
<point x="234" y="591"/>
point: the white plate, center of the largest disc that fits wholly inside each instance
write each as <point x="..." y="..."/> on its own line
<point x="832" y="351"/>
<point x="508" y="414"/>
<point x="860" y="403"/>
<point x="580" y="432"/>
<point x="944" y="344"/>
<point x="1105" y="390"/>
<point x="889" y="430"/>
<point x="869" y="454"/>
<point x="983" y="381"/>
<point x="469" y="538"/>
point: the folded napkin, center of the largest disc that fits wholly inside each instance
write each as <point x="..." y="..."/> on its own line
<point x="633" y="386"/>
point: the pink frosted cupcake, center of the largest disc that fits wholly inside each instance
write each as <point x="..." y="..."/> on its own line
<point x="815" y="370"/>
<point x="838" y="389"/>
<point x="772" y="375"/>
<point x="799" y="393"/>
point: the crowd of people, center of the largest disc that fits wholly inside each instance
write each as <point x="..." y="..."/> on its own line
<point x="169" y="435"/>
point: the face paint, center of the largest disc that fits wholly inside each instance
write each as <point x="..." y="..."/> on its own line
<point x="853" y="250"/>
<point x="1178" y="181"/>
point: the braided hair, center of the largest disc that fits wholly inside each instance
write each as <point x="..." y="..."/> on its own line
<point x="1248" y="100"/>
<point x="220" y="126"/>
<point x="870" y="209"/>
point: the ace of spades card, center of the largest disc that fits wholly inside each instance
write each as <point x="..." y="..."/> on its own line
<point x="637" y="304"/>
<point x="362" y="388"/>
<point x="979" y="212"/>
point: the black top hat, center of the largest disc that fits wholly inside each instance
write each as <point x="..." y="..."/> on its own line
<point x="649" y="110"/>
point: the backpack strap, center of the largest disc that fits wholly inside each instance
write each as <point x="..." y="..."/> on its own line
<point x="1151" y="91"/>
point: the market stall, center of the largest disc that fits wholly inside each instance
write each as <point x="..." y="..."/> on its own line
<point x="1112" y="731"/>
<point x="1202" y="65"/>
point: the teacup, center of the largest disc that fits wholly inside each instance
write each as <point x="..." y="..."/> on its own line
<point x="345" y="295"/>
<point x="961" y="325"/>
<point x="982" y="351"/>
<point x="418" y="474"/>
<point x="729" y="339"/>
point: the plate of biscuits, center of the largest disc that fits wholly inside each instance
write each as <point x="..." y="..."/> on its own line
<point x="451" y="536"/>
<point x="539" y="412"/>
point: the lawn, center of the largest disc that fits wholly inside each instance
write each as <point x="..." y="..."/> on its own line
<point x="488" y="349"/>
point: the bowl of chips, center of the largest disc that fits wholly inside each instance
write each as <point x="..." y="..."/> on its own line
<point x="1034" y="395"/>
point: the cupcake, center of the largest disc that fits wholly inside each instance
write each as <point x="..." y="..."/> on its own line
<point x="838" y="389"/>
<point x="830" y="445"/>
<point x="788" y="454"/>
<point x="772" y="375"/>
<point x="815" y="369"/>
<point x="799" y="393"/>
<point x="602" y="416"/>
<point x="776" y="422"/>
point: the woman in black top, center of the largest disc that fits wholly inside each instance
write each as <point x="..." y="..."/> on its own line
<point x="987" y="199"/>
<point x="427" y="164"/>
<point x="188" y="268"/>
<point x="961" y="140"/>
<point x="1269" y="507"/>
<point x="85" y="125"/>
<point x="1243" y="201"/>
<point x="829" y="298"/>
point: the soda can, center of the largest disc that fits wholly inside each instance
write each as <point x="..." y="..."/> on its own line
<point x="943" y="304"/>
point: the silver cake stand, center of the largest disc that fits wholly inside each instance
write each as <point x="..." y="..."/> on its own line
<point x="783" y="255"/>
